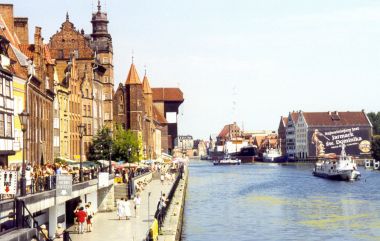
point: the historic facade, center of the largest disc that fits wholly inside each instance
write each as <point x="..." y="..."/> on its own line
<point x="39" y="100"/>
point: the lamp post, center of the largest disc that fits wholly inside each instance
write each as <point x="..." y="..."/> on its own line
<point x="24" y="124"/>
<point x="82" y="129"/>
<point x="109" y="166"/>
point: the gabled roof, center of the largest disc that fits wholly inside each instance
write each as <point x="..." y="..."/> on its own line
<point x="133" y="77"/>
<point x="227" y="128"/>
<point x="167" y="94"/>
<point x="158" y="117"/>
<point x="146" y="86"/>
<point x="294" y="116"/>
<point x="335" y="118"/>
<point x="284" y="120"/>
<point x="28" y="50"/>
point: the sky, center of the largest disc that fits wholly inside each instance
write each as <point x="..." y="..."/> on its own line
<point x="244" y="61"/>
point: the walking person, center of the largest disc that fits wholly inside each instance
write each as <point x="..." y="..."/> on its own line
<point x="137" y="202"/>
<point x="90" y="215"/>
<point x="127" y="208"/>
<point x="81" y="217"/>
<point x="121" y="208"/>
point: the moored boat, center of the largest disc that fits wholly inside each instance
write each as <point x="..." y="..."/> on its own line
<point x="273" y="155"/>
<point x="227" y="161"/>
<point x="344" y="168"/>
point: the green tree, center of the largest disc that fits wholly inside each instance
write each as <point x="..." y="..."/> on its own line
<point x="126" y="145"/>
<point x="375" y="120"/>
<point x="101" y="146"/>
<point x="375" y="146"/>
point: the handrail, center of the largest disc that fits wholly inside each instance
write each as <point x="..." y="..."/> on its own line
<point x="35" y="223"/>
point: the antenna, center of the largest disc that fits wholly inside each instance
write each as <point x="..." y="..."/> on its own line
<point x="133" y="56"/>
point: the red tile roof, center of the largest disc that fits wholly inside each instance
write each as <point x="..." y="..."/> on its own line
<point x="294" y="116"/>
<point x="167" y="94"/>
<point x="133" y="77"/>
<point x="146" y="86"/>
<point x="335" y="118"/>
<point x="284" y="120"/>
<point x="227" y="128"/>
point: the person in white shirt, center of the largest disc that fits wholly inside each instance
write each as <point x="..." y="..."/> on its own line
<point x="137" y="201"/>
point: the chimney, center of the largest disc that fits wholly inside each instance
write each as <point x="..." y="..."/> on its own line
<point x="21" y="29"/>
<point x="329" y="112"/>
<point x="336" y="113"/>
<point x="6" y="11"/>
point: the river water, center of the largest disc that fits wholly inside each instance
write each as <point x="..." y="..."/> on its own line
<point x="278" y="202"/>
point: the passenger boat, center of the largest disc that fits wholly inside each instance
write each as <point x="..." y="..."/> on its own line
<point x="227" y="161"/>
<point x="273" y="155"/>
<point x="343" y="169"/>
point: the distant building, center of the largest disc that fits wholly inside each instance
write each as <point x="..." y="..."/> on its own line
<point x="229" y="132"/>
<point x="321" y="134"/>
<point x="184" y="142"/>
<point x="282" y="134"/>
<point x="167" y="102"/>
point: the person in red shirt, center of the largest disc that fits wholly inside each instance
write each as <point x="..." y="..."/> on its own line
<point x="81" y="218"/>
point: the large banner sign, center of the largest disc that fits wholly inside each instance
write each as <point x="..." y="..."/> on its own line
<point x="327" y="141"/>
<point x="8" y="182"/>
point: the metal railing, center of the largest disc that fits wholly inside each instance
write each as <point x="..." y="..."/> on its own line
<point x="162" y="210"/>
<point x="27" y="219"/>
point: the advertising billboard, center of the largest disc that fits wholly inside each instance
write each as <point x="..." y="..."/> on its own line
<point x="327" y="141"/>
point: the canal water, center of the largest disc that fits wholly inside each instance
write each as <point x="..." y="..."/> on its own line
<point x="278" y="202"/>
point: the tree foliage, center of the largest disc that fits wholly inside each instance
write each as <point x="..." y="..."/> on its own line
<point x="375" y="145"/>
<point x="375" y="120"/>
<point x="101" y="146"/>
<point x="126" y="145"/>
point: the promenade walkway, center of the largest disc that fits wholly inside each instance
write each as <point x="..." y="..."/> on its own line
<point x="107" y="226"/>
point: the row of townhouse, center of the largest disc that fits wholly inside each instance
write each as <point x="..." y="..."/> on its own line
<point x="67" y="82"/>
<point x="322" y="134"/>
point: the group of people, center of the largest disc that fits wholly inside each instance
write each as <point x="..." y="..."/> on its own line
<point x="124" y="207"/>
<point x="84" y="214"/>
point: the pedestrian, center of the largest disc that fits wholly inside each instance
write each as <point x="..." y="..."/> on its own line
<point x="81" y="218"/>
<point x="162" y="178"/>
<point x="137" y="202"/>
<point x="121" y="208"/>
<point x="127" y="208"/>
<point x="90" y="215"/>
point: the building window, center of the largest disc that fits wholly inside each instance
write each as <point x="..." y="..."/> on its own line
<point x="88" y="129"/>
<point x="87" y="95"/>
<point x="84" y="110"/>
<point x="105" y="60"/>
<point x="9" y="126"/>
<point x="7" y="88"/>
<point x="89" y="110"/>
<point x="121" y="108"/>
<point x="2" y="127"/>
<point x="1" y="86"/>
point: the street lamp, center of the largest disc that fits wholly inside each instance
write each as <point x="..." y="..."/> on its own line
<point x="82" y="129"/>
<point x="24" y="124"/>
<point x="110" y="167"/>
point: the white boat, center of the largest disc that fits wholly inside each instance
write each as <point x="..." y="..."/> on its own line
<point x="342" y="169"/>
<point x="273" y="155"/>
<point x="227" y="161"/>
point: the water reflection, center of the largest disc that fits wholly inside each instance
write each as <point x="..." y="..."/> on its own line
<point x="274" y="202"/>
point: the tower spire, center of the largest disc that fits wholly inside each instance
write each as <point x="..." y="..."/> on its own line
<point x="67" y="16"/>
<point x="99" y="6"/>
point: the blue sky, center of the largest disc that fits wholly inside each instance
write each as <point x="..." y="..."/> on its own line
<point x="269" y="57"/>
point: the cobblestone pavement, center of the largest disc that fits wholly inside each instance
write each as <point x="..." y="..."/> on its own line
<point x="108" y="227"/>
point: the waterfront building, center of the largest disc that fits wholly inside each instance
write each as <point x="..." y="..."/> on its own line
<point x="167" y="101"/>
<point x="282" y="133"/>
<point x="184" y="142"/>
<point x="39" y="100"/>
<point x="291" y="134"/>
<point x="321" y="134"/>
<point x="149" y="125"/>
<point x="85" y="69"/>
<point x="6" y="98"/>
<point x="229" y="132"/>
<point x="101" y="43"/>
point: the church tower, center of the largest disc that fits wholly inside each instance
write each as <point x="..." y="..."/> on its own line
<point x="135" y="101"/>
<point x="149" y="127"/>
<point x="102" y="46"/>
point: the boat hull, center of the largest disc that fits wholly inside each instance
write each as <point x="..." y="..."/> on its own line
<point x="349" y="175"/>
<point x="226" y="162"/>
